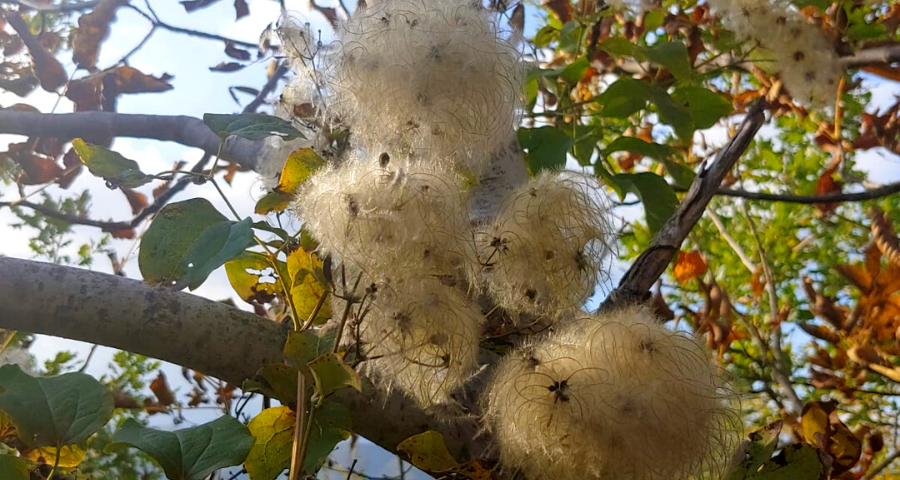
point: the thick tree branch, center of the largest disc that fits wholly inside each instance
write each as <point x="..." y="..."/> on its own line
<point x="200" y="334"/>
<point x="635" y="285"/>
<point x="836" y="197"/>
<point x="188" y="131"/>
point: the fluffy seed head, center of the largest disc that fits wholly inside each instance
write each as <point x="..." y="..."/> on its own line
<point x="800" y="51"/>
<point x="426" y="76"/>
<point x="615" y="396"/>
<point x="421" y="336"/>
<point x="388" y="215"/>
<point x="547" y="247"/>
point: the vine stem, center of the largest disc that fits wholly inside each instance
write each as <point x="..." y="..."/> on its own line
<point x="299" y="447"/>
<point x="55" y="463"/>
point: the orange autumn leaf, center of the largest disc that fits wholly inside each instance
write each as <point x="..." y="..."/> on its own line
<point x="160" y="387"/>
<point x="689" y="266"/>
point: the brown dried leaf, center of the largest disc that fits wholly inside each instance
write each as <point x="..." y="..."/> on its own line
<point x="93" y="28"/>
<point x="191" y="5"/>
<point x="73" y="165"/>
<point x="858" y="276"/>
<point x="236" y="53"/>
<point x="820" y="332"/>
<point x="38" y="168"/>
<point x="161" y="389"/>
<point x="241" y="9"/>
<point x="137" y="200"/>
<point x="561" y="8"/>
<point x="821" y="427"/>
<point x="827" y="184"/>
<point x="884" y="236"/>
<point x="47" y="68"/>
<point x="227" y="67"/>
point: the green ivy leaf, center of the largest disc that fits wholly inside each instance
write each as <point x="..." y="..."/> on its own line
<point x="273" y="433"/>
<point x="574" y="71"/>
<point x="655" y="193"/>
<point x="252" y="126"/>
<point x="621" y="47"/>
<point x="795" y="462"/>
<point x="625" y="97"/>
<point x="304" y="346"/>
<point x="673" y="56"/>
<point x="331" y="424"/>
<point x="298" y="167"/>
<point x="275" y="380"/>
<point x="13" y="468"/>
<point x="54" y="411"/>
<point x="546" y="147"/>
<point x="190" y="453"/>
<point x="187" y="241"/>
<point x="570" y="36"/>
<point x="672" y="113"/>
<point x="705" y="106"/>
<point x="109" y="165"/>
<point x="330" y="373"/>
<point x="545" y="36"/>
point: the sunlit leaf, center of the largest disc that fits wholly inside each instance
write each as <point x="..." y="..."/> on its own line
<point x="428" y="452"/>
<point x="297" y="168"/>
<point x="54" y="411"/>
<point x="306" y="290"/>
<point x="689" y="266"/>
<point x="821" y="427"/>
<point x="657" y="196"/>
<point x="273" y="433"/>
<point x="246" y="273"/>
<point x="331" y="373"/>
<point x="70" y="456"/>
<point x="546" y="147"/>
<point x="109" y="165"/>
<point x="190" y="453"/>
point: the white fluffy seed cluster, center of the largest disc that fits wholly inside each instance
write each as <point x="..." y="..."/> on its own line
<point x="801" y="52"/>
<point x="427" y="77"/>
<point x="614" y="396"/>
<point x="547" y="247"/>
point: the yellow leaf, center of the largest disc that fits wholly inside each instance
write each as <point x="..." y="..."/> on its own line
<point x="305" y="269"/>
<point x="273" y="431"/>
<point x="821" y="427"/>
<point x="428" y="452"/>
<point x="70" y="456"/>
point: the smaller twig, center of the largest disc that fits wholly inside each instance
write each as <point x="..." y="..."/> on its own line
<point x="835" y="197"/>
<point x="352" y="467"/>
<point x="731" y="241"/>
<point x="87" y="360"/>
<point x="881" y="466"/>
<point x="268" y="88"/>
<point x="187" y="31"/>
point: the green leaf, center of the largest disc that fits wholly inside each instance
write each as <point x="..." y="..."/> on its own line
<point x="705" y="106"/>
<point x="298" y="167"/>
<point x="545" y="36"/>
<point x="275" y="380"/>
<point x="682" y="175"/>
<point x="13" y="468"/>
<point x="252" y="126"/>
<point x="273" y="433"/>
<point x="757" y="451"/>
<point x="109" y="165"/>
<point x="673" y="56"/>
<point x="586" y="143"/>
<point x="655" y="193"/>
<point x="795" y="462"/>
<point x="331" y="373"/>
<point x="305" y="346"/>
<point x="331" y="424"/>
<point x="570" y="37"/>
<point x="214" y="247"/>
<point x="190" y="453"/>
<point x="188" y="240"/>
<point x="621" y="47"/>
<point x="672" y="113"/>
<point x="574" y="71"/>
<point x="625" y="97"/>
<point x="546" y="147"/>
<point x="54" y="411"/>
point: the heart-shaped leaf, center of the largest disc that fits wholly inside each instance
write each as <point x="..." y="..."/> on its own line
<point x="273" y="431"/>
<point x="252" y="126"/>
<point x="109" y="165"/>
<point x="190" y="453"/>
<point x="657" y="196"/>
<point x="54" y="411"/>
<point x="188" y="240"/>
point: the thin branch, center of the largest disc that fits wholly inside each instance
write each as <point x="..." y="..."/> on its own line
<point x="835" y="197"/>
<point x="51" y="8"/>
<point x="637" y="281"/>
<point x="74" y="219"/>
<point x="779" y="371"/>
<point x="745" y="259"/>
<point x="193" y="33"/>
<point x="881" y="466"/>
<point x="188" y="131"/>
<point x="872" y="56"/>
<point x="268" y="88"/>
